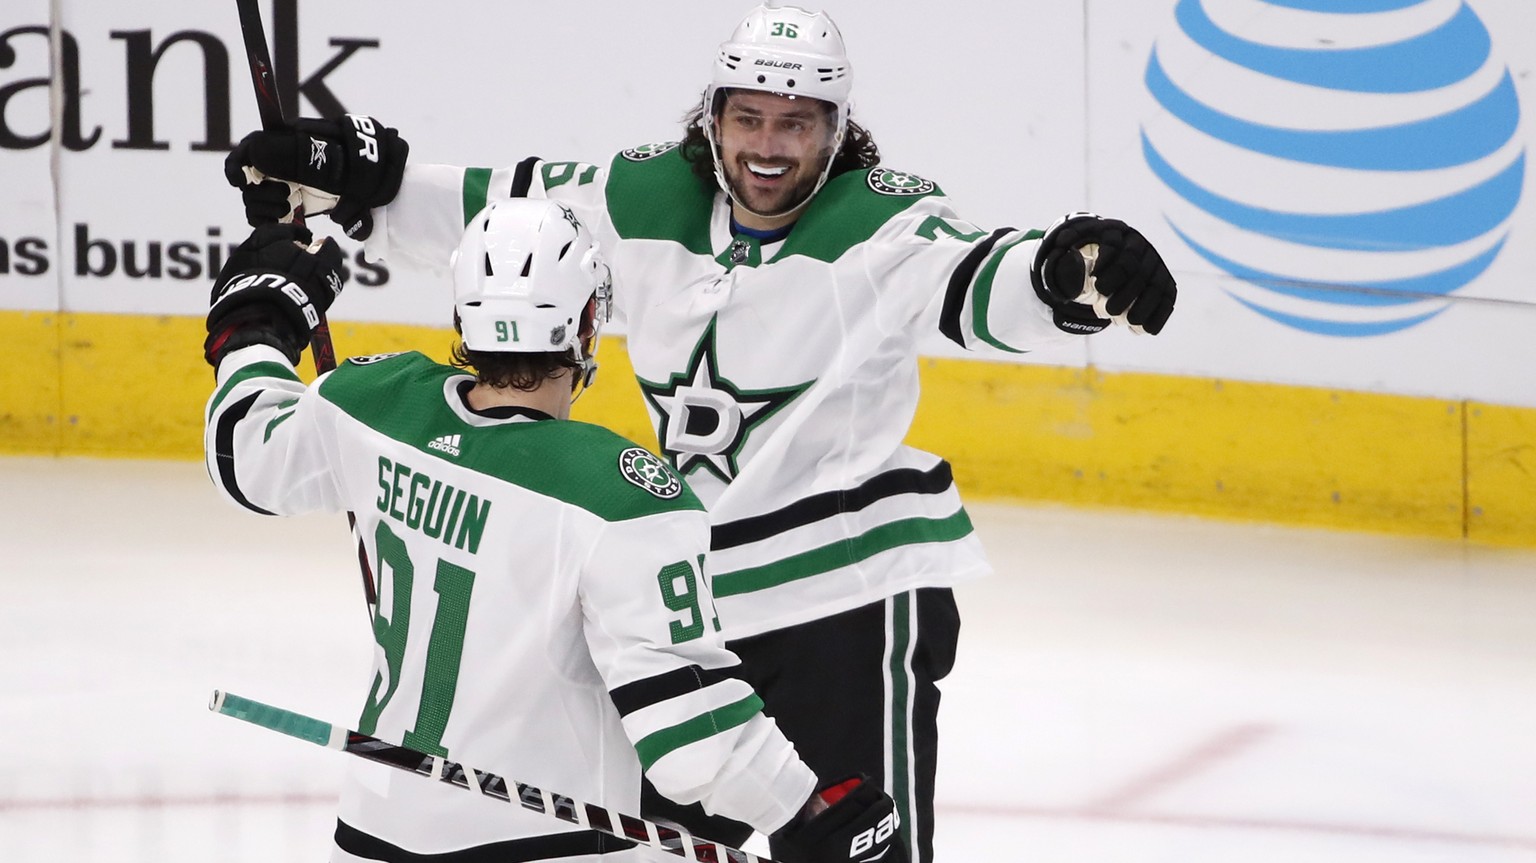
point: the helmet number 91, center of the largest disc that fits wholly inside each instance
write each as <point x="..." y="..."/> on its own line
<point x="506" y="331"/>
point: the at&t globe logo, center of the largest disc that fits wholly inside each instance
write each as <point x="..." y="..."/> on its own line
<point x="1350" y="163"/>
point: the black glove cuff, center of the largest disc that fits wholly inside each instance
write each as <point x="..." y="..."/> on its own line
<point x="1067" y="315"/>
<point x="375" y="168"/>
<point x="861" y="820"/>
<point x="249" y="326"/>
<point x="1077" y="319"/>
<point x="267" y="295"/>
<point x="355" y="219"/>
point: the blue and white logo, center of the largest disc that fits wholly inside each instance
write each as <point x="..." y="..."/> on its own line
<point x="1350" y="163"/>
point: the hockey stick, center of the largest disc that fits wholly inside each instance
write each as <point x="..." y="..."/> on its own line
<point x="555" y="805"/>
<point x="270" y="108"/>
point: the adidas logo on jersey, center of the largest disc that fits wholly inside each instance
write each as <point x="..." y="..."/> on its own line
<point x="448" y="443"/>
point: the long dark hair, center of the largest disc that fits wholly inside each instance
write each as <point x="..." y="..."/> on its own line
<point x="857" y="151"/>
<point x="518" y="371"/>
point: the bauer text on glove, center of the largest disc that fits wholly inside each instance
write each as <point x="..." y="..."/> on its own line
<point x="273" y="291"/>
<point x="852" y="821"/>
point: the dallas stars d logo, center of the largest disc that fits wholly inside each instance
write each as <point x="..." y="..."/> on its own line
<point x="706" y="419"/>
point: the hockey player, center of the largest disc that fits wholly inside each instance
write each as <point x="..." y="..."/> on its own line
<point x="775" y="280"/>
<point x="540" y="607"/>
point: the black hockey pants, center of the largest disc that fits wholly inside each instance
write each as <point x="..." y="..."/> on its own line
<point x="856" y="693"/>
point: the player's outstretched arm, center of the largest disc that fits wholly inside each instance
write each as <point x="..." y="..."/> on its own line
<point x="1094" y="271"/>
<point x="1015" y="291"/>
<point x="259" y="443"/>
<point x="343" y="167"/>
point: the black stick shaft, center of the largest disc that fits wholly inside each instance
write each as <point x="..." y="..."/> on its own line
<point x="625" y="827"/>
<point x="269" y="104"/>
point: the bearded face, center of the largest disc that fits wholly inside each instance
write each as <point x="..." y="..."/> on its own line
<point x="772" y="150"/>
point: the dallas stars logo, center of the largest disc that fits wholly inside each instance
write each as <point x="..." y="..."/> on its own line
<point x="648" y="151"/>
<point x="706" y="419"/>
<point x="888" y="182"/>
<point x="569" y="215"/>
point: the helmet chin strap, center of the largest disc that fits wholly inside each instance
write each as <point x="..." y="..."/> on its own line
<point x="581" y="380"/>
<point x="586" y="354"/>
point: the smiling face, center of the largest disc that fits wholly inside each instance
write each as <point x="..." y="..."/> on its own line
<point x="773" y="149"/>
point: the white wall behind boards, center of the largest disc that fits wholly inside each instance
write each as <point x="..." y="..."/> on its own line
<point x="1340" y="186"/>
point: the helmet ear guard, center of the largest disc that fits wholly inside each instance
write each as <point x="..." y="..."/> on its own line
<point x="786" y="51"/>
<point x="598" y="312"/>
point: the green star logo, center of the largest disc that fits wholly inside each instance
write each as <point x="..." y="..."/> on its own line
<point x="705" y="419"/>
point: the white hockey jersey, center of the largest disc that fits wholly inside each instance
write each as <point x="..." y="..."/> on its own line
<point x="541" y="612"/>
<point x="781" y="378"/>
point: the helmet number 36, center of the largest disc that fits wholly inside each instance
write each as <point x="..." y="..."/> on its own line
<point x="785" y="29"/>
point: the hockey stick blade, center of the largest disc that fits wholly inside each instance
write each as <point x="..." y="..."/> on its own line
<point x="628" y="828"/>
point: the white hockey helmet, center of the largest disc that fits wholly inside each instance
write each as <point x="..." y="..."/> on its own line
<point x="528" y="278"/>
<point x="787" y="51"/>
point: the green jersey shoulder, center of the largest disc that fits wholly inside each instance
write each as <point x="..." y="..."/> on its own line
<point x="654" y="194"/>
<point x="405" y="397"/>
<point x="851" y="208"/>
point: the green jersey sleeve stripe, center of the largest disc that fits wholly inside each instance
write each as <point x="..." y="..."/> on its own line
<point x="477" y="185"/>
<point x="981" y="299"/>
<point x="842" y="553"/>
<point x="652" y="747"/>
<point x="254" y="370"/>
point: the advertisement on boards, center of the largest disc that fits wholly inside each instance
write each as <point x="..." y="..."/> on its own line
<point x="1343" y="185"/>
<point x="151" y="98"/>
<point x="1340" y="187"/>
<point x="29" y="275"/>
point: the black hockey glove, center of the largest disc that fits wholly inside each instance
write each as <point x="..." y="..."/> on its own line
<point x="272" y="291"/>
<point x="858" y="824"/>
<point x="1126" y="283"/>
<point x="355" y="159"/>
<point x="268" y="201"/>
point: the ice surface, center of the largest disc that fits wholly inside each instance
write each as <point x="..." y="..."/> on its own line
<point x="1129" y="688"/>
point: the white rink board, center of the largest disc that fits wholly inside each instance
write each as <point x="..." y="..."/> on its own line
<point x="1020" y="110"/>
